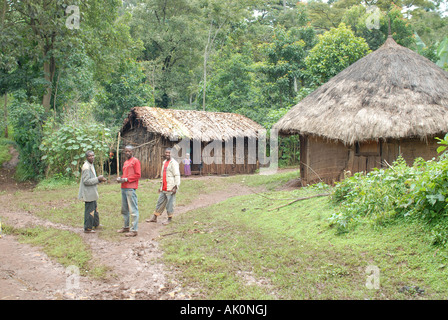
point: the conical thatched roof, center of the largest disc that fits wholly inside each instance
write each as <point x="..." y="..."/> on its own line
<point x="391" y="93"/>
<point x="200" y="125"/>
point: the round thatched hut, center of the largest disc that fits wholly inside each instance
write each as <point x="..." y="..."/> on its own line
<point x="391" y="102"/>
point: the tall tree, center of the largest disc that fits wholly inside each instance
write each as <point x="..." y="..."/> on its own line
<point x="284" y="64"/>
<point x="45" y="24"/>
<point x="373" y="26"/>
<point x="171" y="34"/>
<point x="335" y="51"/>
<point x="218" y="14"/>
<point x="51" y="31"/>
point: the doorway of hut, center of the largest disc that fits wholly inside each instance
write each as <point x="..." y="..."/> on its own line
<point x="195" y="152"/>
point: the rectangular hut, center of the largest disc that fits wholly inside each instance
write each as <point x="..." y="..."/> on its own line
<point x="216" y="141"/>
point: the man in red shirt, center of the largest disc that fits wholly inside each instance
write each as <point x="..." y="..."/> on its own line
<point x="129" y="183"/>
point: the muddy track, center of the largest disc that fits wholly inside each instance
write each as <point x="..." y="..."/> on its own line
<point x="136" y="270"/>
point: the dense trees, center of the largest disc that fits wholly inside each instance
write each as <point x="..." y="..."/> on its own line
<point x="335" y="51"/>
<point x="254" y="57"/>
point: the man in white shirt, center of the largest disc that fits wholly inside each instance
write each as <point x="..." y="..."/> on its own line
<point x="170" y="182"/>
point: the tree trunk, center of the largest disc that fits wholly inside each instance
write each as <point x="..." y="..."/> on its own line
<point x="205" y="79"/>
<point x="49" y="71"/>
<point x="56" y="94"/>
<point x="205" y="65"/>
<point x="48" y="74"/>
<point x="208" y="47"/>
<point x="6" y="114"/>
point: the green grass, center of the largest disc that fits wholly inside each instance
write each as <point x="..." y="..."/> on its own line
<point x="292" y="253"/>
<point x="56" y="200"/>
<point x="270" y="182"/>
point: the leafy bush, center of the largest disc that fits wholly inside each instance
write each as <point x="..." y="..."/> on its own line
<point x="64" y="147"/>
<point x="27" y="120"/>
<point x="427" y="198"/>
<point x="418" y="193"/>
<point x="375" y="196"/>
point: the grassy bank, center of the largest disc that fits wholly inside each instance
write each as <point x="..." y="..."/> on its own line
<point x="241" y="250"/>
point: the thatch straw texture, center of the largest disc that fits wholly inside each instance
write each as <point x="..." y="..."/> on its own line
<point x="391" y="93"/>
<point x="192" y="124"/>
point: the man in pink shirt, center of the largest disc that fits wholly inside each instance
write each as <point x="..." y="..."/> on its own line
<point x="129" y="183"/>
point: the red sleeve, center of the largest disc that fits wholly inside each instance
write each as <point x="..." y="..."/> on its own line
<point x="137" y="172"/>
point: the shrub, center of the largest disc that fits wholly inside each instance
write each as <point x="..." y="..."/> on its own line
<point x="64" y="147"/>
<point x="27" y="120"/>
<point x="427" y="199"/>
<point x="375" y="196"/>
<point x="418" y="193"/>
<point x="4" y="150"/>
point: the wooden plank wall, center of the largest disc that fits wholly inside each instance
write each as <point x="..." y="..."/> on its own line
<point x="232" y="167"/>
<point x="365" y="163"/>
<point x="150" y="150"/>
<point x="410" y="149"/>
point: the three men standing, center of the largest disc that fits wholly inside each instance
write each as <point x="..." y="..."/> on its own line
<point x="88" y="192"/>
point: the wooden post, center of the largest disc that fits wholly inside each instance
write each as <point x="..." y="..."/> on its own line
<point x="6" y="114"/>
<point x="118" y="154"/>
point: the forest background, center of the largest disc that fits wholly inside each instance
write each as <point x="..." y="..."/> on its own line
<point x="71" y="70"/>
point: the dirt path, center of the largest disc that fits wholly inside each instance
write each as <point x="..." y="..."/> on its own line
<point x="26" y="273"/>
<point x="7" y="170"/>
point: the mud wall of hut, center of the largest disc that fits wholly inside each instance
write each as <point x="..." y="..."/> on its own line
<point x="410" y="149"/>
<point x="321" y="160"/>
<point x="328" y="161"/>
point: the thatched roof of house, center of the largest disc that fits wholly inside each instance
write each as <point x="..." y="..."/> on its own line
<point x="200" y="125"/>
<point x="391" y="93"/>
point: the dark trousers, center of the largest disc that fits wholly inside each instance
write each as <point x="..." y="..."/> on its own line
<point x="91" y="216"/>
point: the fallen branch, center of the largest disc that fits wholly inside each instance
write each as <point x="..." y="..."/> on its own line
<point x="169" y="234"/>
<point x="300" y="199"/>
